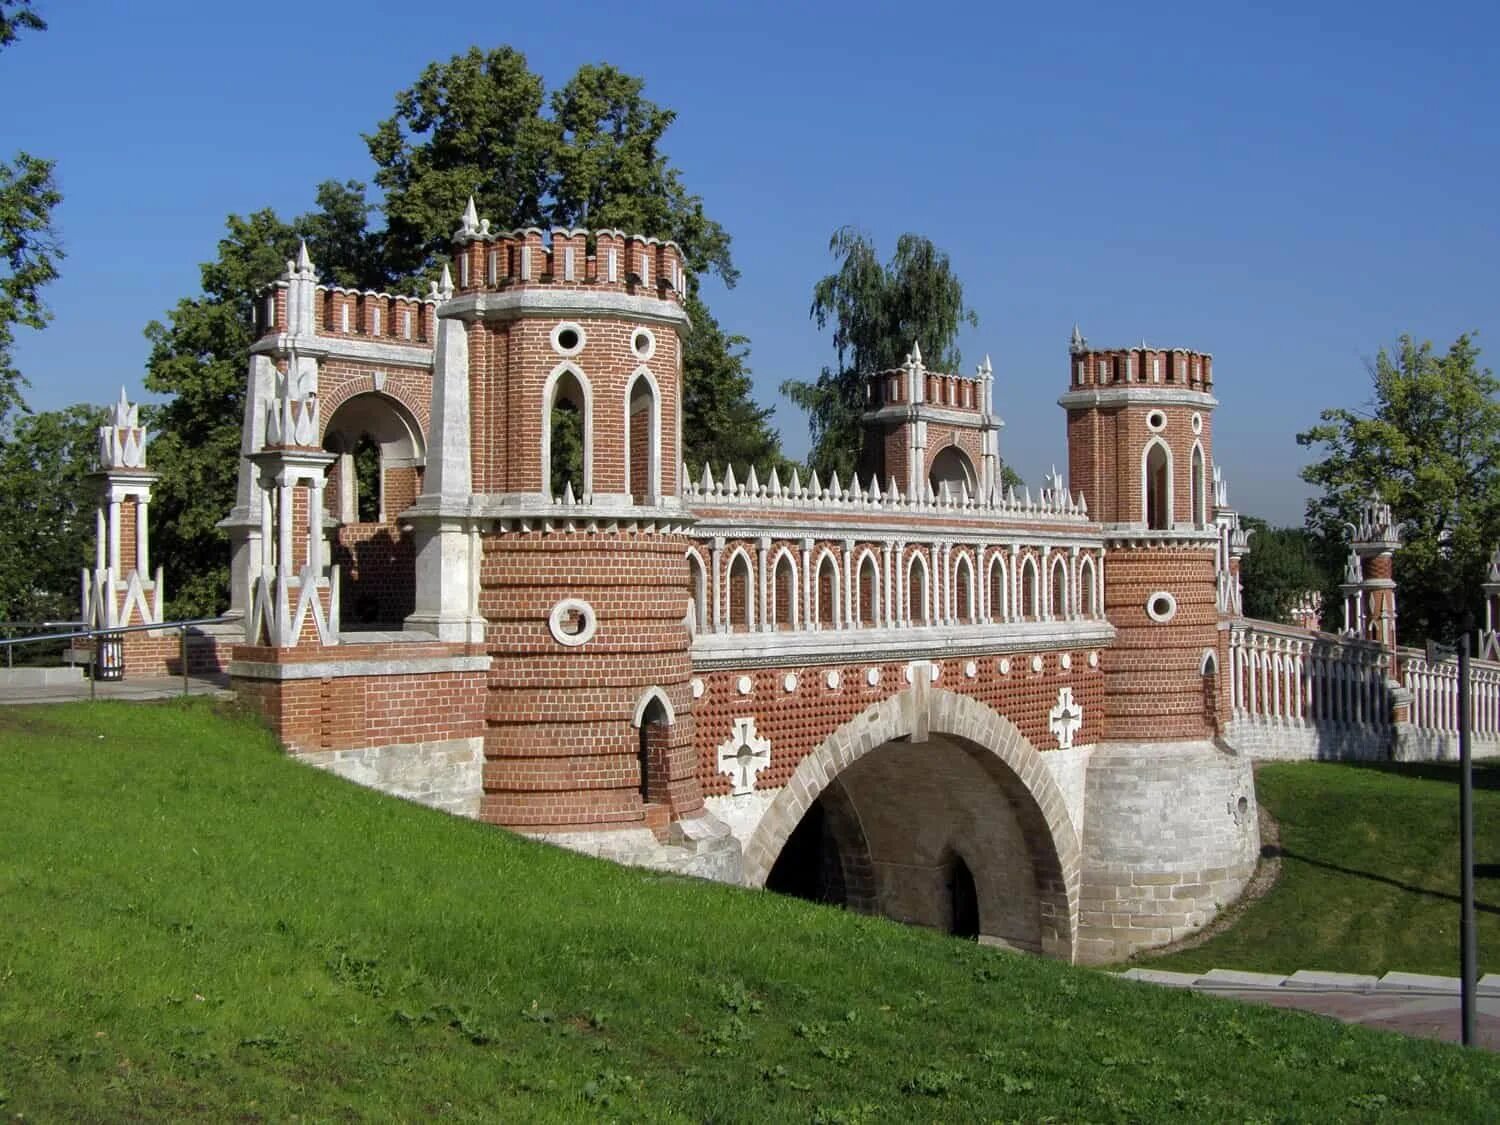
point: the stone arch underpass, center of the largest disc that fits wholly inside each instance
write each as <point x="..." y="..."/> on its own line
<point x="928" y="807"/>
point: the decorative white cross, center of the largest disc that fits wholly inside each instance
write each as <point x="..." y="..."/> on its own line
<point x="743" y="755"/>
<point x="1065" y="718"/>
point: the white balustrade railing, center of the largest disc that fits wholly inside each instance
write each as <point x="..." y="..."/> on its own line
<point x="1434" y="694"/>
<point x="1295" y="677"/>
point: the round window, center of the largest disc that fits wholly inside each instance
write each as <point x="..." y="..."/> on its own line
<point x="1197" y="422"/>
<point x="1161" y="607"/>
<point x="1156" y="421"/>
<point x="567" y="339"/>
<point x="572" y="622"/>
<point x="643" y="343"/>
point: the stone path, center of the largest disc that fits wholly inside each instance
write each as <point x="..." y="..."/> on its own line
<point x="137" y="687"/>
<point x="1411" y="1003"/>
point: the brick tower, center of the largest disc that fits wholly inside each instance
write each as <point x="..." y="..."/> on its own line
<point x="925" y="427"/>
<point x="1140" y="447"/>
<point x="550" y="527"/>
<point x="1369" y="585"/>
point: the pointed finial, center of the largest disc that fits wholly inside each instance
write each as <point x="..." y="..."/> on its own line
<point x="1077" y="344"/>
<point x="445" y="284"/>
<point x="774" y="488"/>
<point x="916" y="352"/>
<point x="471" y="218"/>
<point x="568" y="498"/>
<point x="304" y="259"/>
<point x="986" y="369"/>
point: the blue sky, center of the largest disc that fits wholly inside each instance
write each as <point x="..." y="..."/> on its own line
<point x="1286" y="185"/>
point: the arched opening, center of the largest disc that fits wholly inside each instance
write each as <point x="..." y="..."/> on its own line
<point x="1031" y="606"/>
<point x="783" y="614"/>
<point x="1198" y="486"/>
<point x="916" y="591"/>
<point x="376" y="476"/>
<point x="1156" y="480"/>
<point x="1086" y="601"/>
<point x="963" y="591"/>
<point x="1059" y="607"/>
<point x="986" y="858"/>
<point x="951" y="473"/>
<point x="651" y="755"/>
<point x="963" y="900"/>
<point x="697" y="593"/>
<point x="1209" y="668"/>
<point x="999" y="592"/>
<point x="827" y="591"/>
<point x="741" y="593"/>
<point x="567" y="430"/>
<point x="643" y="444"/>
<point x="868" y="602"/>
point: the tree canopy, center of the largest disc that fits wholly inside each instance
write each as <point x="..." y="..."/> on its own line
<point x="478" y="124"/>
<point x="1429" y="443"/>
<point x="29" y="246"/>
<point x="878" y="311"/>
<point x="1284" y="563"/>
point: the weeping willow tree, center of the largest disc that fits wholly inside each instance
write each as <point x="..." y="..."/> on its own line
<point x="878" y="311"/>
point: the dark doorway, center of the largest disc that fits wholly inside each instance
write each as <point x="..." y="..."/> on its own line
<point x="810" y="866"/>
<point x="964" y="897"/>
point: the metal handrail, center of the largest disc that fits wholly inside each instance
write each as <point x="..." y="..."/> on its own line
<point x="182" y="627"/>
<point x="9" y="626"/>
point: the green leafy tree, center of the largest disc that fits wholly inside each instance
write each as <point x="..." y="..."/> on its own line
<point x="1429" y="442"/>
<point x="29" y="247"/>
<point x="878" y="311"/>
<point x="200" y="357"/>
<point x="1284" y="563"/>
<point x="47" y="535"/>
<point x="591" y="154"/>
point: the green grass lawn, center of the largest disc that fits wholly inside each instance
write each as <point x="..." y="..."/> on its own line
<point x="195" y="926"/>
<point x="1369" y="875"/>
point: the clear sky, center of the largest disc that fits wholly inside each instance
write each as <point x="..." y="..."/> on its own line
<point x="1286" y="185"/>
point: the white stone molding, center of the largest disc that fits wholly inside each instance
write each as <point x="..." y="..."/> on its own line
<point x="549" y="393"/>
<point x="1158" y="443"/>
<point x="647" y="696"/>
<point x="643" y="342"/>
<point x="971" y="669"/>
<point x="1094" y="659"/>
<point x="737" y="555"/>
<point x="872" y="676"/>
<point x="833" y="679"/>
<point x="789" y="682"/>
<point x="791" y="613"/>
<point x="695" y="685"/>
<point x="653" y="444"/>
<point x="744" y="685"/>
<point x="1161" y="606"/>
<point x="1065" y="661"/>
<point x="1065" y="719"/>
<point x="1005" y="665"/>
<point x="743" y="755"/>
<point x="1036" y="662"/>
<point x="584" y="613"/>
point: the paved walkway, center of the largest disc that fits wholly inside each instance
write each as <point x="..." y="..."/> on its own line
<point x="136" y="687"/>
<point x="1411" y="1003"/>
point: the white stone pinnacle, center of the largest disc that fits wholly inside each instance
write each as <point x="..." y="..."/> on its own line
<point x="471" y="217"/>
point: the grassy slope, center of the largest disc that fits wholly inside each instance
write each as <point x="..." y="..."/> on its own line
<point x="1369" y="877"/>
<point x="195" y="926"/>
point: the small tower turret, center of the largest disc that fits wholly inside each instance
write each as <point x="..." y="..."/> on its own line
<point x="121" y="590"/>
<point x="1369" y="585"/>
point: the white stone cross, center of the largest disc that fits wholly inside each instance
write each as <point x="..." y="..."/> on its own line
<point x="743" y="755"/>
<point x="1065" y="718"/>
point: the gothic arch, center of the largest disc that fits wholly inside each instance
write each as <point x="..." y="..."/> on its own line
<point x="866" y="591"/>
<point x="1156" y="485"/>
<point x="697" y="593"/>
<point x="918" y="594"/>
<point x="393" y="428"/>
<point x="1198" y="486"/>
<point x="1088" y="595"/>
<point x="783" y="609"/>
<point x="826" y="606"/>
<point x="744" y="619"/>
<point x="642" y="395"/>
<point x="1029" y="601"/>
<point x="951" y="468"/>
<point x="660" y="697"/>
<point x="999" y="584"/>
<point x="1057" y="589"/>
<point x="965" y="604"/>
<point x="550" y="391"/>
<point x="992" y="740"/>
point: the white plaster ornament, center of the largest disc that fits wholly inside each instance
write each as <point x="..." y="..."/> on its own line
<point x="743" y="755"/>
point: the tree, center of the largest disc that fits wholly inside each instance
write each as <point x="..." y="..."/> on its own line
<point x="1282" y="566"/>
<point x="878" y="312"/>
<point x="591" y="155"/>
<point x="1429" y="444"/>
<point x="29" y="247"/>
<point x="200" y="356"/>
<point x="47" y="535"/>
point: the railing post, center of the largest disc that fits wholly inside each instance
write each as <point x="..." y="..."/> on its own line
<point x="182" y="648"/>
<point x="93" y="666"/>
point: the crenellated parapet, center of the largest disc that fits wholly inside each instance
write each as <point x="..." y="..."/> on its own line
<point x="1143" y="367"/>
<point x="295" y="304"/>
<point x="497" y="261"/>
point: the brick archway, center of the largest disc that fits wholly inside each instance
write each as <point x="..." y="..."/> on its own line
<point x="992" y="740"/>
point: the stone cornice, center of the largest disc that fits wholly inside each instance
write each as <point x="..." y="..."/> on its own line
<point x="926" y="412"/>
<point x="339" y="669"/>
<point x="848" y="646"/>
<point x="1137" y="394"/>
<point x="340" y="347"/>
<point x="1128" y="536"/>
<point x="564" y="302"/>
